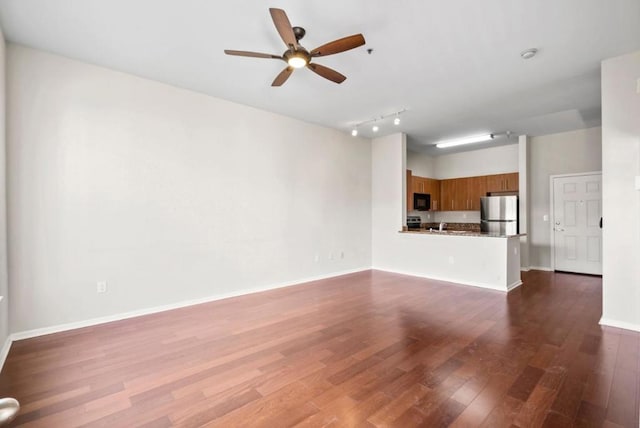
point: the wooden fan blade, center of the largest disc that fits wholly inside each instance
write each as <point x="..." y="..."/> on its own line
<point x="251" y="54"/>
<point x="283" y="26"/>
<point x="327" y="73"/>
<point x="339" y="45"/>
<point x="282" y="77"/>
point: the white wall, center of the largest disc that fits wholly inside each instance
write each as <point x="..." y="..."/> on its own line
<point x="621" y="201"/>
<point x="167" y="194"/>
<point x="563" y="153"/>
<point x="4" y="287"/>
<point x="421" y="165"/>
<point x="493" y="160"/>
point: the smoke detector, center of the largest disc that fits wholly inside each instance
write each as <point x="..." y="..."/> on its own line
<point x="529" y="53"/>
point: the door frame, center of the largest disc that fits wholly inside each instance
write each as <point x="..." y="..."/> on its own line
<point x="552" y="209"/>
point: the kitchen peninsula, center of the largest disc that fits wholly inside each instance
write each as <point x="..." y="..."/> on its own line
<point x="472" y="258"/>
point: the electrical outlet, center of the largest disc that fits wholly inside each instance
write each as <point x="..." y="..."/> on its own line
<point x="545" y="217"/>
<point x="101" y="287"/>
<point x="316" y="258"/>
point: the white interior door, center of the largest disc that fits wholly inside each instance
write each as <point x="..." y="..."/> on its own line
<point x="577" y="211"/>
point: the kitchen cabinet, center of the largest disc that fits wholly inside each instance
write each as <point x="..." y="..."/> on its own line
<point x="477" y="189"/>
<point x="459" y="194"/>
<point x="512" y="181"/>
<point x="409" y="191"/>
<point x="432" y="187"/>
<point x="503" y="182"/>
<point x="448" y="194"/>
<point x="416" y="184"/>
<point x="462" y="194"/>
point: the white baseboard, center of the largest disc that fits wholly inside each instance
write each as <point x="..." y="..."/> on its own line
<point x="619" y="324"/>
<point x="5" y="350"/>
<point x="454" y="281"/>
<point x="544" y="268"/>
<point x="132" y="314"/>
<point x="515" y="285"/>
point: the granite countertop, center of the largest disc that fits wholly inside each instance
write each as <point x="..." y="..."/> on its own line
<point x="459" y="233"/>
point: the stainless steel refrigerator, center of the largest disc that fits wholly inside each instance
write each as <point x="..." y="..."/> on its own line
<point x="499" y="215"/>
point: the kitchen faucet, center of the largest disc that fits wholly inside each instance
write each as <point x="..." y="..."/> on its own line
<point x="442" y="226"/>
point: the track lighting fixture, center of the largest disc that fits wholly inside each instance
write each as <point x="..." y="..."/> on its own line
<point x="375" y="127"/>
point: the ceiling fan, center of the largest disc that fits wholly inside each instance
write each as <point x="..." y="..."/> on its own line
<point x="297" y="56"/>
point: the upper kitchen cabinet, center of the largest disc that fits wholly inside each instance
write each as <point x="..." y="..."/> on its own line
<point x="416" y="184"/>
<point x="464" y="193"/>
<point x="432" y="187"/>
<point x="409" y="191"/>
<point x="459" y="194"/>
<point x="448" y="194"/>
<point x="476" y="188"/>
<point x="503" y="182"/>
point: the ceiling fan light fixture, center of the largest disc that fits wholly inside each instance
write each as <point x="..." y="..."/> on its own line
<point x="297" y="58"/>
<point x="297" y="62"/>
<point x="465" y="140"/>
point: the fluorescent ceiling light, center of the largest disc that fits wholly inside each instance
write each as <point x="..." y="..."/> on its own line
<point x="465" y="140"/>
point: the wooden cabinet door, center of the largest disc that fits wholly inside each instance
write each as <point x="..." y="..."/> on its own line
<point x="512" y="182"/>
<point x="464" y="190"/>
<point x="418" y="184"/>
<point x="409" y="191"/>
<point x="446" y="195"/>
<point x="503" y="182"/>
<point x="433" y="188"/>
<point x="478" y="189"/>
<point x="494" y="183"/>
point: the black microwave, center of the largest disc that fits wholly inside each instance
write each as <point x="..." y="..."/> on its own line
<point x="421" y="201"/>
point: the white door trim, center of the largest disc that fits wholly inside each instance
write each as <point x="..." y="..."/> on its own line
<point x="552" y="208"/>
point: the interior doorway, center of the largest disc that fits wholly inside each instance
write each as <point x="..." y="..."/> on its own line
<point x="576" y="227"/>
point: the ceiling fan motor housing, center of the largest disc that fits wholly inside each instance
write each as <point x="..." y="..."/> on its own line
<point x="299" y="32"/>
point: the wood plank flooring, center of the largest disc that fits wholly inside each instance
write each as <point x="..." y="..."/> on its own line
<point x="371" y="349"/>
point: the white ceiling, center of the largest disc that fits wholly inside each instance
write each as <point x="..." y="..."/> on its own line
<point x="454" y="65"/>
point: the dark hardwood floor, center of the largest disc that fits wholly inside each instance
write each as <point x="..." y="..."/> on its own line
<point x="367" y="349"/>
